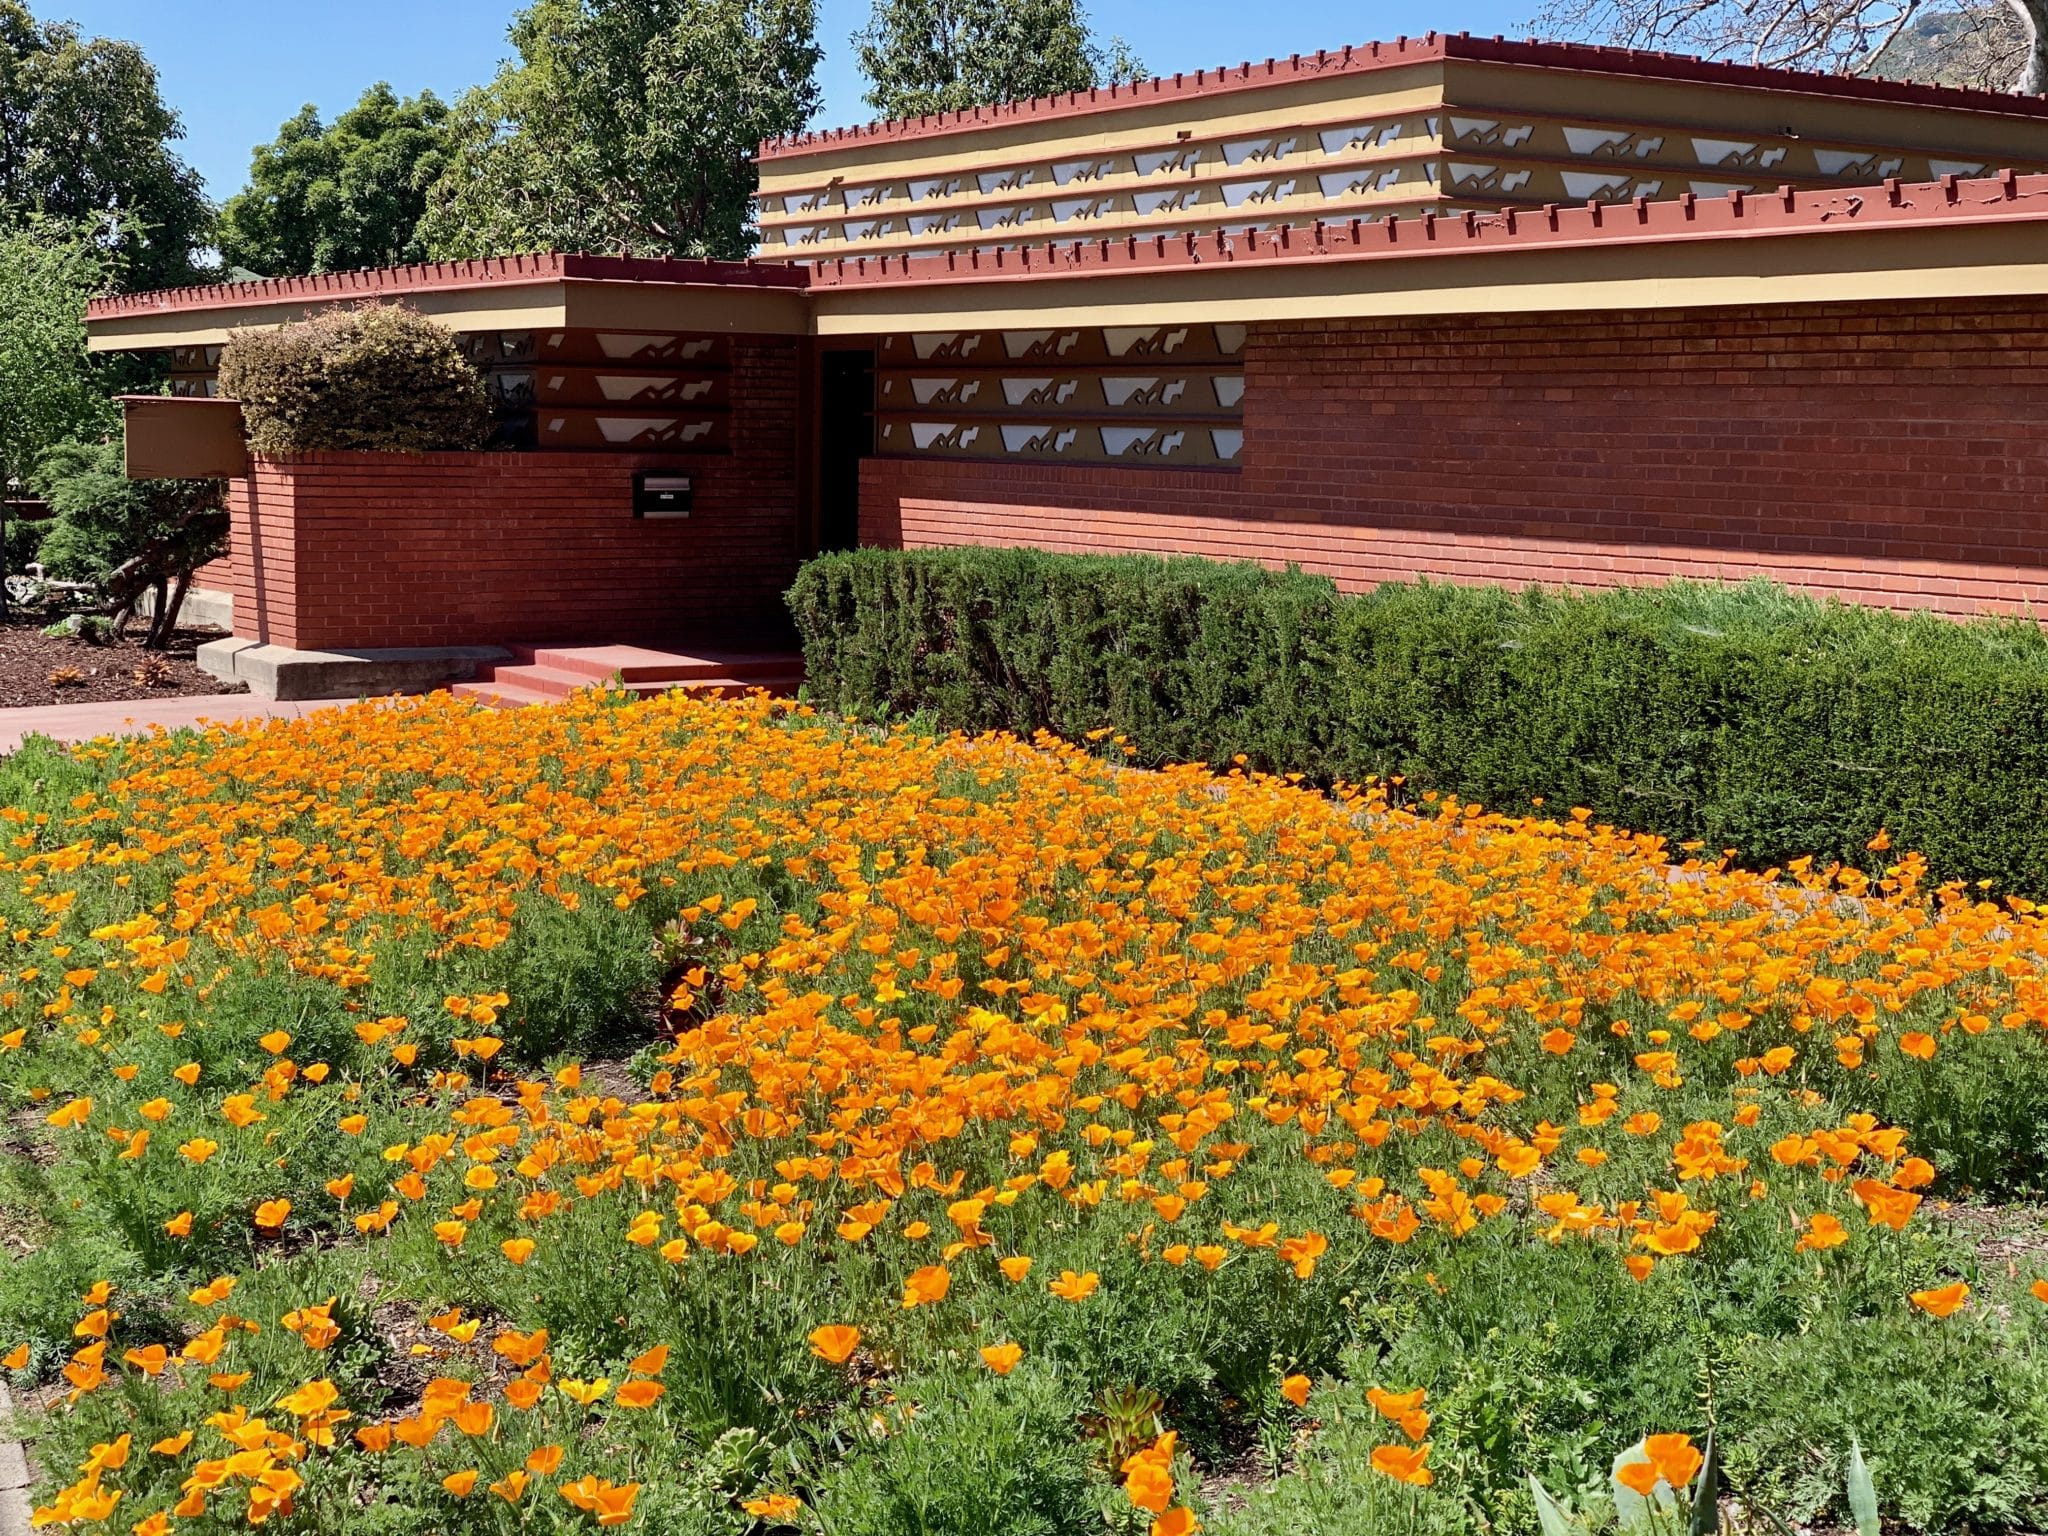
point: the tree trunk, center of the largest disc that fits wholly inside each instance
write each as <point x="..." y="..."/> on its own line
<point x="2033" y="16"/>
<point x="167" y="612"/>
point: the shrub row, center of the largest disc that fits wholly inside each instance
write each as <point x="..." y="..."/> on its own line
<point x="378" y="377"/>
<point x="1743" y="717"/>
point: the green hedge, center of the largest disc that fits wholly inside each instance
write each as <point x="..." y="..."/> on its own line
<point x="370" y="377"/>
<point x="1744" y="717"/>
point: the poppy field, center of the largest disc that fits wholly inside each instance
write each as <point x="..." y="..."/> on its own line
<point x="696" y="1116"/>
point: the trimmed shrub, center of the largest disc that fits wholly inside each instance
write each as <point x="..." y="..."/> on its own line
<point x="1740" y="717"/>
<point x="372" y="377"/>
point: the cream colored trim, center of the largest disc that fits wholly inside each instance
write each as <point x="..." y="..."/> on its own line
<point x="1895" y="265"/>
<point x="506" y="307"/>
<point x="577" y="303"/>
<point x="1411" y="88"/>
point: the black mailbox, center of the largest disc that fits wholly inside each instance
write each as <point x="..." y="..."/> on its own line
<point x="660" y="495"/>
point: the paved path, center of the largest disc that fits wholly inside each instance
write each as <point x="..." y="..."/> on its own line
<point x="14" y="1478"/>
<point x="82" y="722"/>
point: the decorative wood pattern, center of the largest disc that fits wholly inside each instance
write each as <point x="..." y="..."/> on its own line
<point x="1146" y="395"/>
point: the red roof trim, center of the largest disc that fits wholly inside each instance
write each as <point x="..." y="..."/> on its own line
<point x="1367" y="57"/>
<point x="444" y="276"/>
<point x="1947" y="203"/>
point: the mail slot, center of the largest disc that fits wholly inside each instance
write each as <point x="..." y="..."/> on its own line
<point x="656" y="495"/>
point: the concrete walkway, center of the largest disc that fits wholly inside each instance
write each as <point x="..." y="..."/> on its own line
<point x="14" y="1477"/>
<point x="82" y="722"/>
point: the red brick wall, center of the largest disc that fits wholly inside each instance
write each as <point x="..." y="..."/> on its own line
<point x="1893" y="454"/>
<point x="354" y="550"/>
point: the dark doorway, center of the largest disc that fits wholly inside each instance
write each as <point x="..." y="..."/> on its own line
<point x="846" y="435"/>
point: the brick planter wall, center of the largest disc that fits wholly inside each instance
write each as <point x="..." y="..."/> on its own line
<point x="1891" y="454"/>
<point x="354" y="550"/>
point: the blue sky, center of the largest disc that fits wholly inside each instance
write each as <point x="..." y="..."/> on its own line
<point x="235" y="69"/>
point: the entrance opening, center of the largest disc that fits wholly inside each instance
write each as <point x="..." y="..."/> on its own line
<point x="846" y="435"/>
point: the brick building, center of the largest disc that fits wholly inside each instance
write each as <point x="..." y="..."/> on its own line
<point x="1464" y="308"/>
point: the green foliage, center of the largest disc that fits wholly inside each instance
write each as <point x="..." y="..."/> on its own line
<point x="120" y="534"/>
<point x="329" y="197"/>
<point x="979" y="1455"/>
<point x="924" y="56"/>
<point x="127" y="536"/>
<point x="85" y="138"/>
<point x="628" y="128"/>
<point x="49" y="268"/>
<point x="1744" y="718"/>
<point x="102" y="517"/>
<point x="378" y="377"/>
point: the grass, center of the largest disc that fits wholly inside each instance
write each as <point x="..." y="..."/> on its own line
<point x="667" y="1114"/>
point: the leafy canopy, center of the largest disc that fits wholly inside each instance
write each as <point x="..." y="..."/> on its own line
<point x="50" y="388"/>
<point x="85" y="136"/>
<point x="626" y="127"/>
<point x="327" y="198"/>
<point x="924" y="56"/>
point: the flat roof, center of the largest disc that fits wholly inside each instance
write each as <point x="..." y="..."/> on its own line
<point x="446" y="277"/>
<point x="1435" y="46"/>
<point x="1954" y="237"/>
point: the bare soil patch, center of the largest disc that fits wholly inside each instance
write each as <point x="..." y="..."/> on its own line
<point x="38" y="669"/>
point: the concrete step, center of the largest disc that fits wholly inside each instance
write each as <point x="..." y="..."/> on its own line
<point x="500" y="695"/>
<point x="638" y="664"/>
<point x="513" y="686"/>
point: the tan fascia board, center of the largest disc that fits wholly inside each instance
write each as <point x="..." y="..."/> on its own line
<point x="708" y="308"/>
<point x="1888" y="265"/>
<point x="495" y="307"/>
<point x="1408" y="88"/>
<point x="1486" y="88"/>
<point x="574" y="303"/>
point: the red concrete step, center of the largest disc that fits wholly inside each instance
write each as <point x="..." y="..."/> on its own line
<point x="637" y="664"/>
<point x="500" y="695"/>
<point x="544" y="682"/>
<point x="548" y="674"/>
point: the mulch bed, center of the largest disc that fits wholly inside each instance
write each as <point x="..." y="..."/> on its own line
<point x="35" y="669"/>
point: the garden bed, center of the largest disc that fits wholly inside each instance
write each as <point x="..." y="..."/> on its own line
<point x="1027" y="1144"/>
<point x="36" y="668"/>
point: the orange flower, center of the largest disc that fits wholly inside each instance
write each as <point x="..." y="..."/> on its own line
<point x="1942" y="1301"/>
<point x="1404" y="1463"/>
<point x="460" y="1483"/>
<point x="926" y="1285"/>
<point x="639" y="1394"/>
<point x="1072" y="1287"/>
<point x="1001" y="1358"/>
<point x="1392" y="1405"/>
<point x="835" y="1342"/>
<point x="1917" y="1044"/>
<point x="1014" y="1269"/>
<point x="1822" y="1232"/>
<point x="1296" y="1390"/>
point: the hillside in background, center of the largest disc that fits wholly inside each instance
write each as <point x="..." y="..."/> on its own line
<point x="1980" y="46"/>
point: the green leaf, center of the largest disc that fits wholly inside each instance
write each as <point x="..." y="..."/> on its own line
<point x="1706" y="1492"/>
<point x="1549" y="1515"/>
<point x="1862" y="1491"/>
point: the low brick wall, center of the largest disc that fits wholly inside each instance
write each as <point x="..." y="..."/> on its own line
<point x="1886" y="454"/>
<point x="353" y="550"/>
